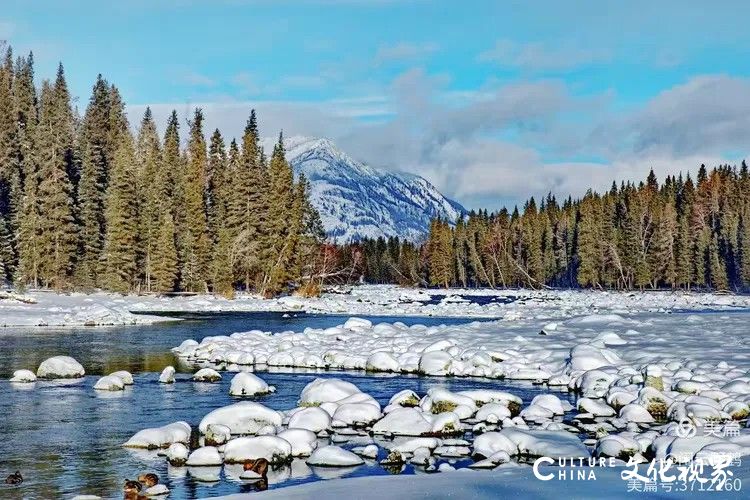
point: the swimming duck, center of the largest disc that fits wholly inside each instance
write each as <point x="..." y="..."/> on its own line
<point x="132" y="489"/>
<point x="14" y="478"/>
<point x="148" y="479"/>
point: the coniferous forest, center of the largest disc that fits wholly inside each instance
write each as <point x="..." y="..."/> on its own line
<point x="86" y="204"/>
<point x="683" y="233"/>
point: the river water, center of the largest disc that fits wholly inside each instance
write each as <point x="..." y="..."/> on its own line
<point x="66" y="438"/>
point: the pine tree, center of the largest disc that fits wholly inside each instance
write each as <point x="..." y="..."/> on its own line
<point x="195" y="272"/>
<point x="57" y="230"/>
<point x="121" y="219"/>
<point x="248" y="214"/>
<point x="280" y="228"/>
<point x="97" y="157"/>
<point x="151" y="192"/>
<point x="164" y="262"/>
<point x="590" y="241"/>
<point x="173" y="168"/>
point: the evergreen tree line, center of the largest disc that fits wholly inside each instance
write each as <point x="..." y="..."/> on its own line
<point x="680" y="234"/>
<point x="85" y="203"/>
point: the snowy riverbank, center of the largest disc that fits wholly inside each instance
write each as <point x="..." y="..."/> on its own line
<point x="77" y="309"/>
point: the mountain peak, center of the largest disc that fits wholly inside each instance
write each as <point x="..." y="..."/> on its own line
<point x="356" y="201"/>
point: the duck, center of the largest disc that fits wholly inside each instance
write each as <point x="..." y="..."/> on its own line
<point x="15" y="478"/>
<point x="259" y="466"/>
<point x="148" y="479"/>
<point x="132" y="489"/>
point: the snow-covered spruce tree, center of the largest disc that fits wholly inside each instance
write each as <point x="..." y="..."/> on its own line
<point x="119" y="257"/>
<point x="54" y="147"/>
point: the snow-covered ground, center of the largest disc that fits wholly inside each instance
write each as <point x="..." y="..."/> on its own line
<point x="77" y="309"/>
<point x="509" y="482"/>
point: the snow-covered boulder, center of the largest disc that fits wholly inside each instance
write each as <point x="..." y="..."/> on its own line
<point x="313" y="419"/>
<point x="369" y="451"/>
<point x="206" y="375"/>
<point x="246" y="417"/>
<point x="248" y="384"/>
<point x="353" y="414"/>
<point x="326" y="390"/>
<point x="208" y="455"/>
<point x="303" y="441"/>
<point x="490" y="443"/>
<point x="167" y="375"/>
<point x="125" y="376"/>
<point x="217" y="435"/>
<point x="545" y="443"/>
<point x="177" y="454"/>
<point x="435" y="363"/>
<point x="60" y="367"/>
<point x="160" y="437"/>
<point x="23" y="376"/>
<point x="109" y="383"/>
<point x="382" y="362"/>
<point x="403" y="422"/>
<point x="334" y="456"/>
<point x="273" y="448"/>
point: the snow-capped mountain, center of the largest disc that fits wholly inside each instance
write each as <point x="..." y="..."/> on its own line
<point x="357" y="201"/>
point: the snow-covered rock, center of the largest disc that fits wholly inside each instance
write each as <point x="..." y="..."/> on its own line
<point x="313" y="419"/>
<point x="125" y="376"/>
<point x="334" y="456"/>
<point x="205" y="456"/>
<point x="160" y="437"/>
<point x="303" y="441"/>
<point x="23" y="376"/>
<point x="403" y="422"/>
<point x="177" y="454"/>
<point x="249" y="384"/>
<point x="60" y="367"/>
<point x="246" y="417"/>
<point x="273" y="448"/>
<point x="207" y="375"/>
<point x="167" y="375"/>
<point x="109" y="383"/>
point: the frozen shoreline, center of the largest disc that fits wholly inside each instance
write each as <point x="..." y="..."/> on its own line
<point x="98" y="309"/>
<point x="510" y="482"/>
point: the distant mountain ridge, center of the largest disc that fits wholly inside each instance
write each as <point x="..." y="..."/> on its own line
<point x="357" y="201"/>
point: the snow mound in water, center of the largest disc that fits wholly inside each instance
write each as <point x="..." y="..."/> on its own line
<point x="248" y="384"/>
<point x="109" y="383"/>
<point x="23" y="376"/>
<point x="273" y="448"/>
<point x="60" y="367"/>
<point x="246" y="417"/>
<point x="160" y="437"/>
<point x="206" y="375"/>
<point x="208" y="455"/>
<point x="334" y="456"/>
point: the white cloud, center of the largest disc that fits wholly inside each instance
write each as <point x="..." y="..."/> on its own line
<point x="539" y="57"/>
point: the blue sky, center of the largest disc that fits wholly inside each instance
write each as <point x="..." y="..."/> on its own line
<point x="492" y="101"/>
